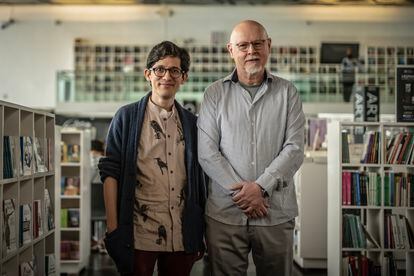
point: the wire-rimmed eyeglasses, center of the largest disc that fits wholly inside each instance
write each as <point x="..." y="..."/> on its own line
<point x="257" y="45"/>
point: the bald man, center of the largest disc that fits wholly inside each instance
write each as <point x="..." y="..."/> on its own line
<point x="251" y="135"/>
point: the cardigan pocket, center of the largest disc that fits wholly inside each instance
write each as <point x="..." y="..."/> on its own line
<point x="119" y="247"/>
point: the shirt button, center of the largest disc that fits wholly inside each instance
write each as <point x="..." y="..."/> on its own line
<point x="172" y="207"/>
<point x="172" y="189"/>
<point x="252" y="163"/>
<point x="171" y="171"/>
<point x="165" y="119"/>
<point x="169" y="153"/>
<point x="168" y="136"/>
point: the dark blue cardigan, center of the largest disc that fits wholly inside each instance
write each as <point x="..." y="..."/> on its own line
<point x="120" y="163"/>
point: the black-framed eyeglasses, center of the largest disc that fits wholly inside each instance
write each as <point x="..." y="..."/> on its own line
<point x="160" y="72"/>
<point x="257" y="45"/>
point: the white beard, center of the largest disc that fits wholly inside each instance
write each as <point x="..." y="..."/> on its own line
<point x="253" y="70"/>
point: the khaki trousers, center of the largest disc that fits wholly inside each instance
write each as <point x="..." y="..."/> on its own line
<point x="229" y="247"/>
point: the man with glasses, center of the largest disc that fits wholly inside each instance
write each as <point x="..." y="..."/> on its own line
<point x="154" y="188"/>
<point x="251" y="136"/>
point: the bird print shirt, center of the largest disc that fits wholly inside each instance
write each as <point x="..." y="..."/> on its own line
<point x="161" y="178"/>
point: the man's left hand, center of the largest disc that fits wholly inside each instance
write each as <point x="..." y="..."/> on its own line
<point x="249" y="198"/>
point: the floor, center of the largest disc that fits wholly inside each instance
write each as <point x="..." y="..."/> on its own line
<point x="101" y="264"/>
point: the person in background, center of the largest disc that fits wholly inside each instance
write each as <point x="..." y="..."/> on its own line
<point x="251" y="140"/>
<point x="154" y="187"/>
<point x="97" y="205"/>
<point x="348" y="66"/>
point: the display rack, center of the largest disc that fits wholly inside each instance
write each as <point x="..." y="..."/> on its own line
<point x="26" y="185"/>
<point x="359" y="225"/>
<point x="73" y="218"/>
<point x="309" y="249"/>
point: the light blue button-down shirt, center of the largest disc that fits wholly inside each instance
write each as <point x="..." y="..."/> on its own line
<point x="260" y="140"/>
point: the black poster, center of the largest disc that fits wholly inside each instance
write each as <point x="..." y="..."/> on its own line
<point x="404" y="101"/>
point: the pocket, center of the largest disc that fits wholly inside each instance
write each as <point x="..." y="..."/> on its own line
<point x="119" y="246"/>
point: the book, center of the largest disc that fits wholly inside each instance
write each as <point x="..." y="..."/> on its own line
<point x="27" y="268"/>
<point x="39" y="158"/>
<point x="26" y="154"/>
<point x="49" y="214"/>
<point x="25" y="224"/>
<point x="73" y="217"/>
<point x="70" y="185"/>
<point x="63" y="218"/>
<point x="50" y="265"/>
<point x="37" y="219"/>
<point x="9" y="225"/>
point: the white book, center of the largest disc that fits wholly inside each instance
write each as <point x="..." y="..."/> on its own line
<point x="39" y="159"/>
<point x="25" y="224"/>
<point x="50" y="265"/>
<point x="26" y="156"/>
<point x="9" y="227"/>
<point x="27" y="269"/>
<point x="50" y="222"/>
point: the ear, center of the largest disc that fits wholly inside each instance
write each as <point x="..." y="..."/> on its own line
<point x="185" y="78"/>
<point x="269" y="42"/>
<point x="230" y="49"/>
<point x="147" y="74"/>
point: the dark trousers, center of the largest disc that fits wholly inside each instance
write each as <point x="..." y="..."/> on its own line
<point x="169" y="263"/>
<point x="348" y="87"/>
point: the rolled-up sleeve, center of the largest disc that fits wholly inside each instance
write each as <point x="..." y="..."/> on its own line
<point x="210" y="158"/>
<point x="288" y="161"/>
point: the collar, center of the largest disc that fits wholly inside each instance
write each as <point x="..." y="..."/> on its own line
<point x="234" y="78"/>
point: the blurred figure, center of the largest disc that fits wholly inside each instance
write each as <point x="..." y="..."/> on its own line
<point x="349" y="63"/>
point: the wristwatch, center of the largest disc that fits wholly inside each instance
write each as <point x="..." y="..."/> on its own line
<point x="264" y="193"/>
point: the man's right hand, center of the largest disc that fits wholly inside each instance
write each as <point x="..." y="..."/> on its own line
<point x="249" y="198"/>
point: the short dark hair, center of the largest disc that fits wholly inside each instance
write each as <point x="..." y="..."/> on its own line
<point x="169" y="49"/>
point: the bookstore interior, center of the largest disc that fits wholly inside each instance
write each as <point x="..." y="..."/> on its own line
<point x="66" y="69"/>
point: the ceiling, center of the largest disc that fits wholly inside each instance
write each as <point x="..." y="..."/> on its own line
<point x="210" y="2"/>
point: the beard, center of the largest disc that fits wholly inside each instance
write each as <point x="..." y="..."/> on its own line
<point x="253" y="70"/>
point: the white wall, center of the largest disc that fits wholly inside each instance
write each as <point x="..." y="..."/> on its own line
<point x="34" y="48"/>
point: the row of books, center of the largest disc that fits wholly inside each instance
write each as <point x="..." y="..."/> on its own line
<point x="400" y="149"/>
<point x="69" y="152"/>
<point x="31" y="223"/>
<point x="361" y="188"/>
<point x="31" y="268"/>
<point x="358" y="148"/>
<point x="70" y="185"/>
<point x="359" y="265"/>
<point x="398" y="232"/>
<point x="355" y="234"/>
<point x="398" y="189"/>
<point x="69" y="217"/>
<point x="35" y="155"/>
<point x="69" y="250"/>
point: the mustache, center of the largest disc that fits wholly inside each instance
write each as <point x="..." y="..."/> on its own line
<point x="252" y="57"/>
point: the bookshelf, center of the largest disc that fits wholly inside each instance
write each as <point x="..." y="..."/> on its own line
<point x="73" y="218"/>
<point x="309" y="249"/>
<point x="113" y="72"/>
<point x="360" y="223"/>
<point x="27" y="179"/>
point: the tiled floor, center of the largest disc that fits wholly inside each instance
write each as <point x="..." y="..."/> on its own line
<point x="101" y="264"/>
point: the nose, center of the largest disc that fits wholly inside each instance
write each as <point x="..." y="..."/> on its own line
<point x="169" y="75"/>
<point x="250" y="48"/>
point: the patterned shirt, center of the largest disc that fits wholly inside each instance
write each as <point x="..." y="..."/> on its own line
<point x="161" y="177"/>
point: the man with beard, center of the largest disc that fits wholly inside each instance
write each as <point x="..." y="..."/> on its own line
<point x="251" y="136"/>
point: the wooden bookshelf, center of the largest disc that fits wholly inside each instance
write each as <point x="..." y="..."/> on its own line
<point x="15" y="122"/>
<point x="372" y="216"/>
<point x="74" y="238"/>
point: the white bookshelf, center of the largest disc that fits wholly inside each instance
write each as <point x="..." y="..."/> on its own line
<point x="373" y="216"/>
<point x="310" y="230"/>
<point x="17" y="121"/>
<point x="78" y="236"/>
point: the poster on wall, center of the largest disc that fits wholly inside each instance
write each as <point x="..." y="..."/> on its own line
<point x="366" y="108"/>
<point x="404" y="101"/>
